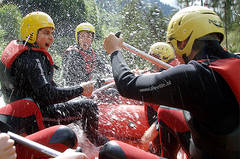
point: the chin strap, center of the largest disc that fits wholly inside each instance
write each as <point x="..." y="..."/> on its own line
<point x="185" y="58"/>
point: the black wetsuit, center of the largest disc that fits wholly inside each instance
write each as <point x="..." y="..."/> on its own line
<point x="214" y="110"/>
<point x="23" y="117"/>
<point x="31" y="75"/>
<point x="80" y="66"/>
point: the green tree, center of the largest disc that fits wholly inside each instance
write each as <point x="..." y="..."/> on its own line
<point x="92" y="16"/>
<point x="223" y="8"/>
<point x="142" y="25"/>
<point x="183" y="3"/>
<point x="66" y="14"/>
<point x="3" y="43"/>
<point x="10" y="21"/>
<point x="157" y="24"/>
<point x="9" y="25"/>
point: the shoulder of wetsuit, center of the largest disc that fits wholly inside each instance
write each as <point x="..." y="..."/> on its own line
<point x="31" y="54"/>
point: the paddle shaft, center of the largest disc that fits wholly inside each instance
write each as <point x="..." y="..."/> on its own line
<point x="34" y="145"/>
<point x="146" y="56"/>
<point x="104" y="87"/>
<point x="143" y="54"/>
<point x="140" y="54"/>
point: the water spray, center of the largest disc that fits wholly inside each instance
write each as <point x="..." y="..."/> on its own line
<point x="36" y="146"/>
<point x="144" y="55"/>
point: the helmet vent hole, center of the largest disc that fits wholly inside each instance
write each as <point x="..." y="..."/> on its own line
<point x="181" y="44"/>
<point x="180" y="22"/>
<point x="209" y="13"/>
<point x="31" y="36"/>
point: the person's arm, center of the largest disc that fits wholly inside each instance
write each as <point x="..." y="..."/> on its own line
<point x="165" y="88"/>
<point x="175" y="87"/>
<point x="49" y="94"/>
<point x="150" y="134"/>
<point x="7" y="148"/>
<point x="35" y="70"/>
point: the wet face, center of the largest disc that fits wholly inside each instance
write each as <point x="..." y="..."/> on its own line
<point x="45" y="38"/>
<point x="85" y="39"/>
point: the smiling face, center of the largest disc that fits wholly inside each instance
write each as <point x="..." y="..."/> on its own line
<point x="45" y="38"/>
<point x="85" y="39"/>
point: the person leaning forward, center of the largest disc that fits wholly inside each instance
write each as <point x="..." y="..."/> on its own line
<point x="26" y="71"/>
<point x="207" y="86"/>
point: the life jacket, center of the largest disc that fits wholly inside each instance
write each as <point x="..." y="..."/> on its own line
<point x="229" y="69"/>
<point x="89" y="60"/>
<point x="9" y="55"/>
<point x="13" y="50"/>
<point x="224" y="146"/>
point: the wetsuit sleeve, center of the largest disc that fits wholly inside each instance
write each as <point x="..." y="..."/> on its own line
<point x="49" y="94"/>
<point x="35" y="70"/>
<point x="175" y="87"/>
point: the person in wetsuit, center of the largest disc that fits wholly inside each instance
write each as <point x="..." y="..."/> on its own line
<point x="26" y="71"/>
<point x="80" y="62"/>
<point x="168" y="131"/>
<point x="23" y="117"/>
<point x="207" y="86"/>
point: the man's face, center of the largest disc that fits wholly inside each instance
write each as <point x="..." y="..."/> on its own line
<point x="85" y="39"/>
<point x="45" y="38"/>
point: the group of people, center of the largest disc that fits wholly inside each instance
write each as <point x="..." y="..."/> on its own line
<point x="204" y="88"/>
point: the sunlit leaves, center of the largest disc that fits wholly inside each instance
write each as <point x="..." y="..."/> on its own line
<point x="142" y="25"/>
<point x="10" y="21"/>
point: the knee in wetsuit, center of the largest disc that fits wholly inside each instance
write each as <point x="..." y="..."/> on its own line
<point x="66" y="136"/>
<point x="111" y="150"/>
<point x="120" y="150"/>
<point x="17" y="115"/>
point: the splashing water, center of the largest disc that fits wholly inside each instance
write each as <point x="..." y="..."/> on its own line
<point x="2" y="103"/>
<point x="87" y="147"/>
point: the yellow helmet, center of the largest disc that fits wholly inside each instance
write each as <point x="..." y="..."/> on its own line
<point x="163" y="51"/>
<point x="190" y="24"/>
<point x="84" y="27"/>
<point x="32" y="22"/>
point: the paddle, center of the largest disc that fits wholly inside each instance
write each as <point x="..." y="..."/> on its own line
<point x="104" y="87"/>
<point x="143" y="54"/>
<point x="36" y="146"/>
<point x="140" y="54"/>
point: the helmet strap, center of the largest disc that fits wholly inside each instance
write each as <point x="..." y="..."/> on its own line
<point x="27" y="40"/>
<point x="185" y="58"/>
